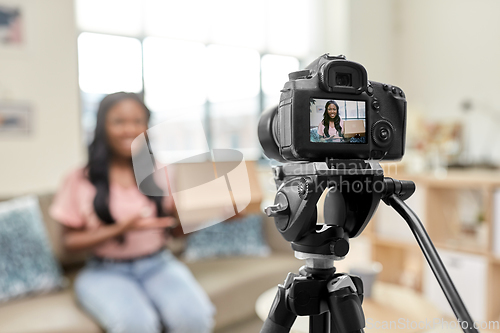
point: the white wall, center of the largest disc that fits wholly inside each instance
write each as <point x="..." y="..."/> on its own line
<point x="337" y="27"/>
<point x="364" y="31"/>
<point x="440" y="52"/>
<point x="44" y="73"/>
<point x="372" y="38"/>
<point x="449" y="52"/>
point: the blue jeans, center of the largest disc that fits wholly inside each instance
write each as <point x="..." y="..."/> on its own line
<point x="141" y="295"/>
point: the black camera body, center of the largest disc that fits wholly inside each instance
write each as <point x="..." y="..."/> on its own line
<point x="287" y="132"/>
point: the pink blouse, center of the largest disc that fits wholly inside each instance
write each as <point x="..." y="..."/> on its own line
<point x="73" y="207"/>
<point x="332" y="131"/>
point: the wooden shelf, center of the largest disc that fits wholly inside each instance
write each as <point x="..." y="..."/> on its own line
<point x="452" y="208"/>
<point x="401" y="261"/>
<point x="494" y="260"/>
<point x="408" y="245"/>
<point x="459" y="248"/>
<point x="455" y="179"/>
<point x="394" y="243"/>
<point x="494" y="290"/>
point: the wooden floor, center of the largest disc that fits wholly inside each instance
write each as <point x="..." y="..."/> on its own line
<point x="253" y="325"/>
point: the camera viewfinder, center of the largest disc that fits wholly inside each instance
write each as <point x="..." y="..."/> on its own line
<point x="343" y="79"/>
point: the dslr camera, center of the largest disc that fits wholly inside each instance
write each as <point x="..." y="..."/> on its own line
<point x="331" y="110"/>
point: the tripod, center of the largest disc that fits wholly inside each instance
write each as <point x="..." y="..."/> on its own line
<point x="333" y="300"/>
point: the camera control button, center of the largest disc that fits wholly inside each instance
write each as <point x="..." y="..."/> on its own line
<point x="394" y="90"/>
<point x="376" y="104"/>
<point x="369" y="90"/>
<point x="386" y="87"/>
<point x="382" y="133"/>
<point x="339" y="247"/>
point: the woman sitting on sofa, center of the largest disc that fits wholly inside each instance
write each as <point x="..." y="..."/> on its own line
<point x="131" y="283"/>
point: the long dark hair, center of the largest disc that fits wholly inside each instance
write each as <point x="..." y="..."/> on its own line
<point x="336" y="119"/>
<point x="100" y="155"/>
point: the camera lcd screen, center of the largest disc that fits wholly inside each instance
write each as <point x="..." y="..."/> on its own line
<point x="337" y="121"/>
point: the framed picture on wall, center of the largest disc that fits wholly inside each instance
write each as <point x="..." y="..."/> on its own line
<point x="11" y="25"/>
<point x="16" y="118"/>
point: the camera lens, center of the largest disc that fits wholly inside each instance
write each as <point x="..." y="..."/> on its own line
<point x="343" y="79"/>
<point x="268" y="133"/>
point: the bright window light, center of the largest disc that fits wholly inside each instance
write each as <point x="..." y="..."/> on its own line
<point x="236" y="132"/>
<point x="174" y="74"/>
<point x="121" y="17"/>
<point x="108" y="64"/>
<point x="275" y="70"/>
<point x="235" y="108"/>
<point x="292" y="30"/>
<point x="233" y="73"/>
<point x="186" y="19"/>
<point x="233" y="126"/>
<point x="241" y="23"/>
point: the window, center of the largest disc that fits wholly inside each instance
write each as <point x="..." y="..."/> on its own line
<point x="174" y="75"/>
<point x="352" y="110"/>
<point x="109" y="63"/>
<point x="185" y="61"/>
<point x="232" y="73"/>
<point x="106" y="64"/>
<point x="183" y="20"/>
<point x="115" y="17"/>
<point x="275" y="70"/>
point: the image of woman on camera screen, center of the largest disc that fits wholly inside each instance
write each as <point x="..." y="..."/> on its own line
<point x="331" y="128"/>
<point x="131" y="282"/>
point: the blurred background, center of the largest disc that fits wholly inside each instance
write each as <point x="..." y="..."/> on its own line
<point x="226" y="61"/>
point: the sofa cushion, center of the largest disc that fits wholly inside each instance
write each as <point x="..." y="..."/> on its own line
<point x="55" y="313"/>
<point x="234" y="284"/>
<point x="27" y="264"/>
<point x="239" y="237"/>
<point x="55" y="231"/>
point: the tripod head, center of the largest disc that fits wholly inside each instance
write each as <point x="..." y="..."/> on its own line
<point x="331" y="300"/>
<point x="355" y="188"/>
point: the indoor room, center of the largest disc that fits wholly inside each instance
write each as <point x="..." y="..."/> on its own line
<point x="161" y="171"/>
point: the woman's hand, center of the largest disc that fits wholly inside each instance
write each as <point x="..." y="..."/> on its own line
<point x="130" y="223"/>
<point x="156" y="222"/>
<point x="75" y="240"/>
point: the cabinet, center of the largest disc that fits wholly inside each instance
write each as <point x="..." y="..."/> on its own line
<point x="469" y="273"/>
<point x="461" y="213"/>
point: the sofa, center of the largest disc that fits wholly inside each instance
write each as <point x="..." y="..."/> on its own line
<point x="232" y="283"/>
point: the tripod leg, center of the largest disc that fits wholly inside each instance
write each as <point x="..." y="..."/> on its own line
<point x="320" y="323"/>
<point x="344" y="303"/>
<point x="280" y="318"/>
